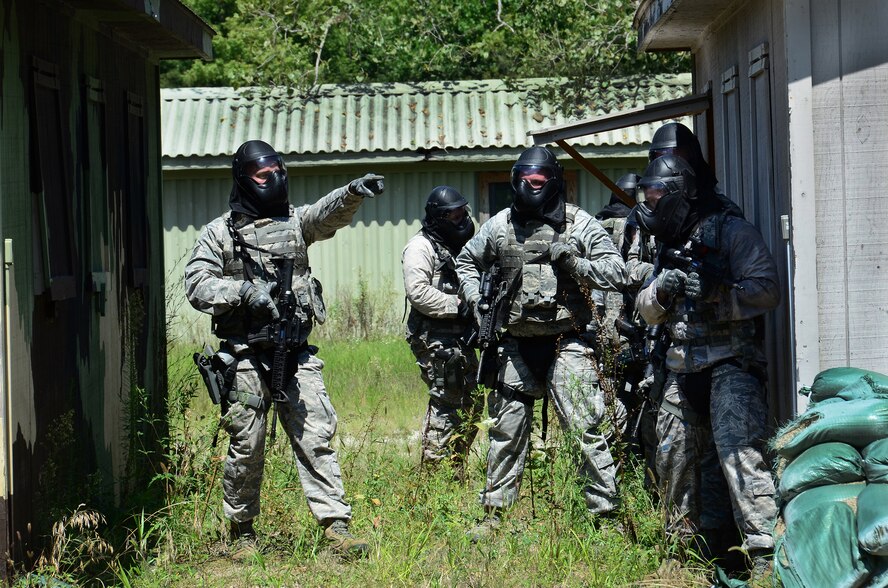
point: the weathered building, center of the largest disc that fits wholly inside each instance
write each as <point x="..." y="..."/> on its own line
<point x="82" y="334"/>
<point x="466" y="134"/>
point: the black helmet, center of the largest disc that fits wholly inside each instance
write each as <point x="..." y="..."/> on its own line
<point x="441" y="201"/>
<point x="675" y="182"/>
<point x="628" y="184"/>
<point x="676" y="139"/>
<point x="537" y="177"/>
<point x="260" y="200"/>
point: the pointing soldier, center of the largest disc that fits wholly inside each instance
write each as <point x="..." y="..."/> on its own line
<point x="232" y="275"/>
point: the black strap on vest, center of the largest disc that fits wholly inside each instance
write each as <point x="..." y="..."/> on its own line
<point x="240" y="249"/>
<point x="445" y="258"/>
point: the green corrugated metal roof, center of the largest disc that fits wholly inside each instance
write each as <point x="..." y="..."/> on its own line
<point x="397" y="117"/>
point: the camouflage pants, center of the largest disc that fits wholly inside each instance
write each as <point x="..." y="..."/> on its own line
<point x="310" y="423"/>
<point x="572" y="385"/>
<point x="449" y="370"/>
<point x="712" y="470"/>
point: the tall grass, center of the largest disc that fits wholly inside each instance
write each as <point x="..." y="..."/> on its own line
<point x="415" y="519"/>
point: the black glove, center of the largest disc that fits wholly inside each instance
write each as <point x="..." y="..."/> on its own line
<point x="696" y="287"/>
<point x="564" y="255"/>
<point x="368" y="186"/>
<point x="258" y="298"/>
<point x="671" y="283"/>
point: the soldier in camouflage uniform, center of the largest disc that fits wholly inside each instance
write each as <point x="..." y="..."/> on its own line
<point x="232" y="276"/>
<point x="712" y="419"/>
<point x="554" y="254"/>
<point x="438" y="328"/>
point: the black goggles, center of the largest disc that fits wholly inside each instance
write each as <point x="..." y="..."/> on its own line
<point x="250" y="168"/>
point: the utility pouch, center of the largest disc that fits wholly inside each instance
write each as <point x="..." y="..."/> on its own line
<point x="449" y="367"/>
<point x="539" y="287"/>
<point x="217" y="371"/>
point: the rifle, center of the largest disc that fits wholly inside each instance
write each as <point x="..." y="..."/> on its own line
<point x="637" y="353"/>
<point x="489" y="307"/>
<point x="685" y="260"/>
<point x="285" y="330"/>
<point x="657" y="365"/>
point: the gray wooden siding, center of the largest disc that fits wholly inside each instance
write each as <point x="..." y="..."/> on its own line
<point x="850" y="79"/>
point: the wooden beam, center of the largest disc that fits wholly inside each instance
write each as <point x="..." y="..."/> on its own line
<point x="679" y="107"/>
<point x="591" y="168"/>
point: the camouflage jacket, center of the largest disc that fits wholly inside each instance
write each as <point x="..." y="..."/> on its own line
<point x="431" y="288"/>
<point x="600" y="268"/>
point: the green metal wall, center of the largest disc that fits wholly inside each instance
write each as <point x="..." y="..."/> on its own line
<point x="368" y="249"/>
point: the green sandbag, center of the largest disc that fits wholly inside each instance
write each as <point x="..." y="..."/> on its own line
<point x="820" y="465"/>
<point x="783" y="568"/>
<point x="875" y="461"/>
<point x="863" y="387"/>
<point x="872" y="519"/>
<point x="820" y="546"/>
<point x="828" y="382"/>
<point x="857" y="423"/>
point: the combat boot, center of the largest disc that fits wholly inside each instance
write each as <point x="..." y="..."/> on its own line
<point x="487" y="527"/>
<point x="760" y="566"/>
<point x="244" y="541"/>
<point x="343" y="542"/>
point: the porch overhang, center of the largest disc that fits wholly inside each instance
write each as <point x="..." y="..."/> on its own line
<point x="166" y="29"/>
<point x="676" y="25"/>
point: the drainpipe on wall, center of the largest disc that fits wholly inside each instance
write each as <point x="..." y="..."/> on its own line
<point x="5" y="388"/>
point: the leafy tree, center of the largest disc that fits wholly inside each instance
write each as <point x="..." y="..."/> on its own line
<point x="302" y="43"/>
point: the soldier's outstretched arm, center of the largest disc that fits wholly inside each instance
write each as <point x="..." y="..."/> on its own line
<point x="335" y="210"/>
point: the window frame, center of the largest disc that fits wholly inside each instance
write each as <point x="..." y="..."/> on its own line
<point x="51" y="186"/>
<point x="486" y="179"/>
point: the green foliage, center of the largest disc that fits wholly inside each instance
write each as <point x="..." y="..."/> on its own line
<point x="299" y="44"/>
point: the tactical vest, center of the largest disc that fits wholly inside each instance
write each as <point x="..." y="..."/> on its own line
<point x="545" y="294"/>
<point x="444" y="279"/>
<point x="248" y="254"/>
<point x="701" y="326"/>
